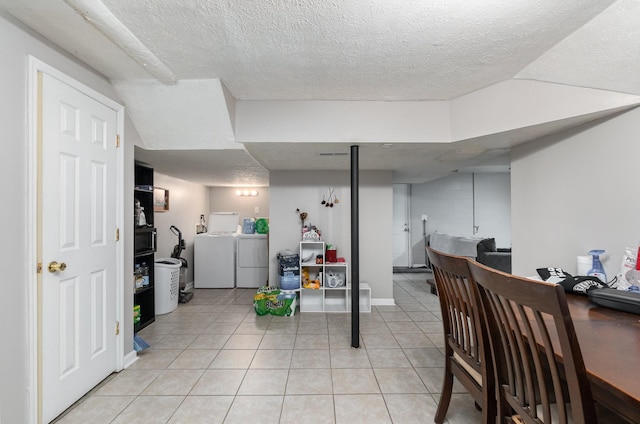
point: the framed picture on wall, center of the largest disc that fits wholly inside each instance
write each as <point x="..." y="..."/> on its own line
<point x="160" y="199"/>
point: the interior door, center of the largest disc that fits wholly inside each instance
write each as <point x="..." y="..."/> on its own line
<point x="401" y="229"/>
<point x="77" y="209"/>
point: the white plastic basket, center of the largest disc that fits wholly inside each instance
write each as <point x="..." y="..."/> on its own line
<point x="167" y="284"/>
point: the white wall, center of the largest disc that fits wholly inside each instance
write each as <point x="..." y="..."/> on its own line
<point x="521" y="103"/>
<point x="304" y="190"/>
<point x="224" y="199"/>
<point x="16" y="43"/>
<point x="348" y="121"/>
<point x="448" y="203"/>
<point x="574" y="192"/>
<point x="187" y="201"/>
<point x="493" y="206"/>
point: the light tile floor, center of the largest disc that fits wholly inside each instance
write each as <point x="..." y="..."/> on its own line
<point x="214" y="361"/>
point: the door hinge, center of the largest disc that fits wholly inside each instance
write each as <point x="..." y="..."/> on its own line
<point x="39" y="268"/>
<point x="117" y="328"/>
<point x="117" y="140"/>
<point x="117" y="234"/>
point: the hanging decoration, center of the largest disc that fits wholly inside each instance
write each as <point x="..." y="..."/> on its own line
<point x="302" y="215"/>
<point x="333" y="200"/>
<point x="309" y="232"/>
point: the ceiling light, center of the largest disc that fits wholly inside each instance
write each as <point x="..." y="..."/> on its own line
<point x="246" y="193"/>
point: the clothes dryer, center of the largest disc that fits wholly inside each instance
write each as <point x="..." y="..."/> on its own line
<point x="252" y="260"/>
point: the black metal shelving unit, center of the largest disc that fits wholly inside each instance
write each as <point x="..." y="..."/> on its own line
<point x="143" y="251"/>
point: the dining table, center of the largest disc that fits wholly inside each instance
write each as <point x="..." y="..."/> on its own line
<point x="610" y="343"/>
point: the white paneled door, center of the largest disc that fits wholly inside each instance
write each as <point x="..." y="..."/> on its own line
<point x="78" y="242"/>
<point x="401" y="230"/>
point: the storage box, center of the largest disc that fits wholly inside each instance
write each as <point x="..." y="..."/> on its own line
<point x="331" y="255"/>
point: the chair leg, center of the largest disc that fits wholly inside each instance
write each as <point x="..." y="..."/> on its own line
<point x="445" y="396"/>
<point x="489" y="407"/>
<point x="503" y="411"/>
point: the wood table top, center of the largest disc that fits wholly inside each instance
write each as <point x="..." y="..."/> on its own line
<point x="610" y="345"/>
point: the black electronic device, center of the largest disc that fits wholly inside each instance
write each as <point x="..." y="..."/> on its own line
<point x="622" y="300"/>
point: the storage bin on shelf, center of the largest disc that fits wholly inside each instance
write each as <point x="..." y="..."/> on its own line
<point x="331" y="255"/>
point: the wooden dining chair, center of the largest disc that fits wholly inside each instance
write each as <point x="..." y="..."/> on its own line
<point x="466" y="346"/>
<point x="523" y="317"/>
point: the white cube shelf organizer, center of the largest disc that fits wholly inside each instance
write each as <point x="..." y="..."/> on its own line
<point x="333" y="293"/>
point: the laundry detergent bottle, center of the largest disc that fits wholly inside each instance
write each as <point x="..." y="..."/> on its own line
<point x="597" y="269"/>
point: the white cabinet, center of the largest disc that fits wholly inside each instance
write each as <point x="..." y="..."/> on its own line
<point x="332" y="288"/>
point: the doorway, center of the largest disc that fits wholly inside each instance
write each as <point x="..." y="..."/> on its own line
<point x="401" y="226"/>
<point x="76" y="193"/>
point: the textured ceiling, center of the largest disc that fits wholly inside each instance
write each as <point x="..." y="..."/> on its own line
<point x="184" y="68"/>
<point x="352" y="50"/>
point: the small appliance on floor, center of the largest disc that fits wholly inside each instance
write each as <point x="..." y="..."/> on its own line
<point x="184" y="296"/>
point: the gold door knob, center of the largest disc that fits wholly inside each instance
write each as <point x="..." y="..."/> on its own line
<point x="55" y="266"/>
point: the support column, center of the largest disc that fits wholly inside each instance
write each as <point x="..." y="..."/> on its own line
<point x="355" y="251"/>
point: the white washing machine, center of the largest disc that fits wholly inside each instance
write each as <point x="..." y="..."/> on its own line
<point x="214" y="253"/>
<point x="252" y="260"/>
<point x="214" y="257"/>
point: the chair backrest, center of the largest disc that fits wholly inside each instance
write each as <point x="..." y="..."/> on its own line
<point x="462" y="317"/>
<point x="529" y="327"/>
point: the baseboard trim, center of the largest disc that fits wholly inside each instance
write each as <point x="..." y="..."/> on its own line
<point x="383" y="302"/>
<point x="130" y="358"/>
<point x="400" y="270"/>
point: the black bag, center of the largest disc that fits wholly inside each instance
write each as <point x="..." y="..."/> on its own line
<point x="580" y="284"/>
